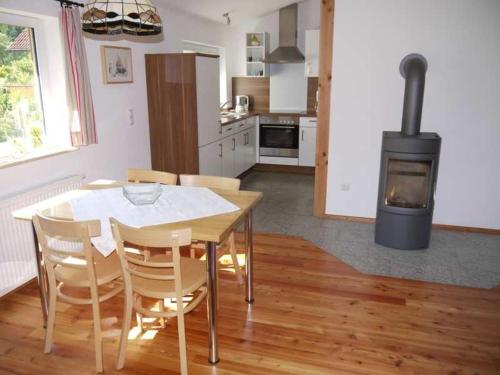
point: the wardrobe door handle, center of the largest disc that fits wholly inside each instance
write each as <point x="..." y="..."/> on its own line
<point x="302" y="136"/>
<point x="234" y="144"/>
<point x="220" y="153"/>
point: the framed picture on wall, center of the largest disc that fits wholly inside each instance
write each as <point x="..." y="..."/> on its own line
<point x="116" y="64"/>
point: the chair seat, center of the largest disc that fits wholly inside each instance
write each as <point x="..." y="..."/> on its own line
<point x="193" y="276"/>
<point x="107" y="269"/>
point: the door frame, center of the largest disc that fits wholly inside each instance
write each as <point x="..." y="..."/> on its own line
<point x="324" y="87"/>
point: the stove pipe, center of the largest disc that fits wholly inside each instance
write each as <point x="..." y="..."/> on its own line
<point x="413" y="68"/>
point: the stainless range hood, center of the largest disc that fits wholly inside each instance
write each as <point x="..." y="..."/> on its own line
<point x="287" y="52"/>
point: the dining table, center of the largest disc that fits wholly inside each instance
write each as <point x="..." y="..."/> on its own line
<point x="211" y="230"/>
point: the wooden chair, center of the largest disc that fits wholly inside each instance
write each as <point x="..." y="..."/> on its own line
<point x="70" y="260"/>
<point x="145" y="175"/>
<point x="223" y="183"/>
<point x="162" y="276"/>
<point x="151" y="176"/>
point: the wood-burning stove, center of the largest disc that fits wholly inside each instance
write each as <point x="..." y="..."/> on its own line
<point x="408" y="170"/>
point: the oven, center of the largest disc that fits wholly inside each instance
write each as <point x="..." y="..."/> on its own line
<point x="279" y="136"/>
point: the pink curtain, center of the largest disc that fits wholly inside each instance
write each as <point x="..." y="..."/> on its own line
<point x="82" y="119"/>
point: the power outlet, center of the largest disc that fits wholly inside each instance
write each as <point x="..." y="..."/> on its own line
<point x="345" y="187"/>
<point x="131" y="117"/>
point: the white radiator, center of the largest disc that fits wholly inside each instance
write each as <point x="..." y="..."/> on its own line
<point x="17" y="252"/>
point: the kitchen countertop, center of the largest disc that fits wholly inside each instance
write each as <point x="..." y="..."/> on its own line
<point x="227" y="121"/>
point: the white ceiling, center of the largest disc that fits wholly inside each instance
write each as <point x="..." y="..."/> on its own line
<point x="239" y="10"/>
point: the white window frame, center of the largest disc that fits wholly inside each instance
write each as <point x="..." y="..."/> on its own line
<point x="52" y="78"/>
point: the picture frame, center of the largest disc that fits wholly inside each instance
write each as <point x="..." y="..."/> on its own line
<point x="116" y="65"/>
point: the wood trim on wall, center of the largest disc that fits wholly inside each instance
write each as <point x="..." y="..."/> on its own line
<point x="455" y="228"/>
<point x="459" y="228"/>
<point x="352" y="219"/>
<point x="312" y="87"/>
<point x="324" y="87"/>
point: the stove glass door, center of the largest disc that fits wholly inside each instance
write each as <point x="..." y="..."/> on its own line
<point x="408" y="183"/>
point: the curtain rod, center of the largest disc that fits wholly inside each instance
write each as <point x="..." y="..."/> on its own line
<point x="69" y="3"/>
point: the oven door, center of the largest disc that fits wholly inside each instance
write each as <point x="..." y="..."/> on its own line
<point x="279" y="140"/>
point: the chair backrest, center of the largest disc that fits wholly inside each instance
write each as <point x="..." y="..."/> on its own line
<point x="144" y="237"/>
<point x="145" y="175"/>
<point x="214" y="182"/>
<point x="67" y="243"/>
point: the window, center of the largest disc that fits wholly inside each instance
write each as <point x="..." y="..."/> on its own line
<point x="22" y="125"/>
<point x="189" y="46"/>
<point x="33" y="114"/>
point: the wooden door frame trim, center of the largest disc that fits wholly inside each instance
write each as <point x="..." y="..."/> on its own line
<point x="324" y="87"/>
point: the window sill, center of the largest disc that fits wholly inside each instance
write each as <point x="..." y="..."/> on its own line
<point x="41" y="154"/>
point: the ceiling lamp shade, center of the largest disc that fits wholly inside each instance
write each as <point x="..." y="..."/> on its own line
<point x="133" y="17"/>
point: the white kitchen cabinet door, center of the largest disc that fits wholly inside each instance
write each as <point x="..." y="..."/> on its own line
<point x="208" y="101"/>
<point x="211" y="159"/>
<point x="251" y="147"/>
<point x="307" y="147"/>
<point x="228" y="152"/>
<point x="312" y="53"/>
<point x="240" y="155"/>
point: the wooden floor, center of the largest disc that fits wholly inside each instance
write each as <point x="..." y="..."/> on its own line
<point x="312" y="315"/>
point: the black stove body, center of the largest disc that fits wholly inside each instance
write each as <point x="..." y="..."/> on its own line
<point x="408" y="170"/>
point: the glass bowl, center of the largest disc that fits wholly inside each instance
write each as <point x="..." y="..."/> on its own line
<point x="142" y="194"/>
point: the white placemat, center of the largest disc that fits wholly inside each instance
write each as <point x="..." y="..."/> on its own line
<point x="176" y="203"/>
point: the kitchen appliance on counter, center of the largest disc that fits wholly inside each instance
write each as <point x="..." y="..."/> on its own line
<point x="279" y="137"/>
<point x="242" y="103"/>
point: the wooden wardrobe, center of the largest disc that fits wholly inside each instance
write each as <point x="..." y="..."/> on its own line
<point x="183" y="103"/>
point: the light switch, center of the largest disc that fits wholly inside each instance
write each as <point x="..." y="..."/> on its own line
<point x="131" y="117"/>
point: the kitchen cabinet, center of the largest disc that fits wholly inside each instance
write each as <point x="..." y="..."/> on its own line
<point x="240" y="153"/>
<point x="207" y="104"/>
<point x="183" y="105"/>
<point x="233" y="153"/>
<point x="250" y="148"/>
<point x="307" y="142"/>
<point x="228" y="156"/>
<point x="257" y="49"/>
<point x="245" y="150"/>
<point x="211" y="159"/>
<point x="312" y="53"/>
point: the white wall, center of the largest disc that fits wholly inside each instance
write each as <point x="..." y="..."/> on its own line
<point x="120" y="146"/>
<point x="287" y="88"/>
<point x="461" y="41"/>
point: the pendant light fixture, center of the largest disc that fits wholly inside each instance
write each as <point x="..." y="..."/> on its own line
<point x="133" y="17"/>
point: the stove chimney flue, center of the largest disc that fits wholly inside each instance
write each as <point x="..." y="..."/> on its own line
<point x="413" y="68"/>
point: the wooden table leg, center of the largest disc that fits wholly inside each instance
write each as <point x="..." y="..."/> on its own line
<point x="249" y="257"/>
<point x="213" y="351"/>
<point x="41" y="278"/>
